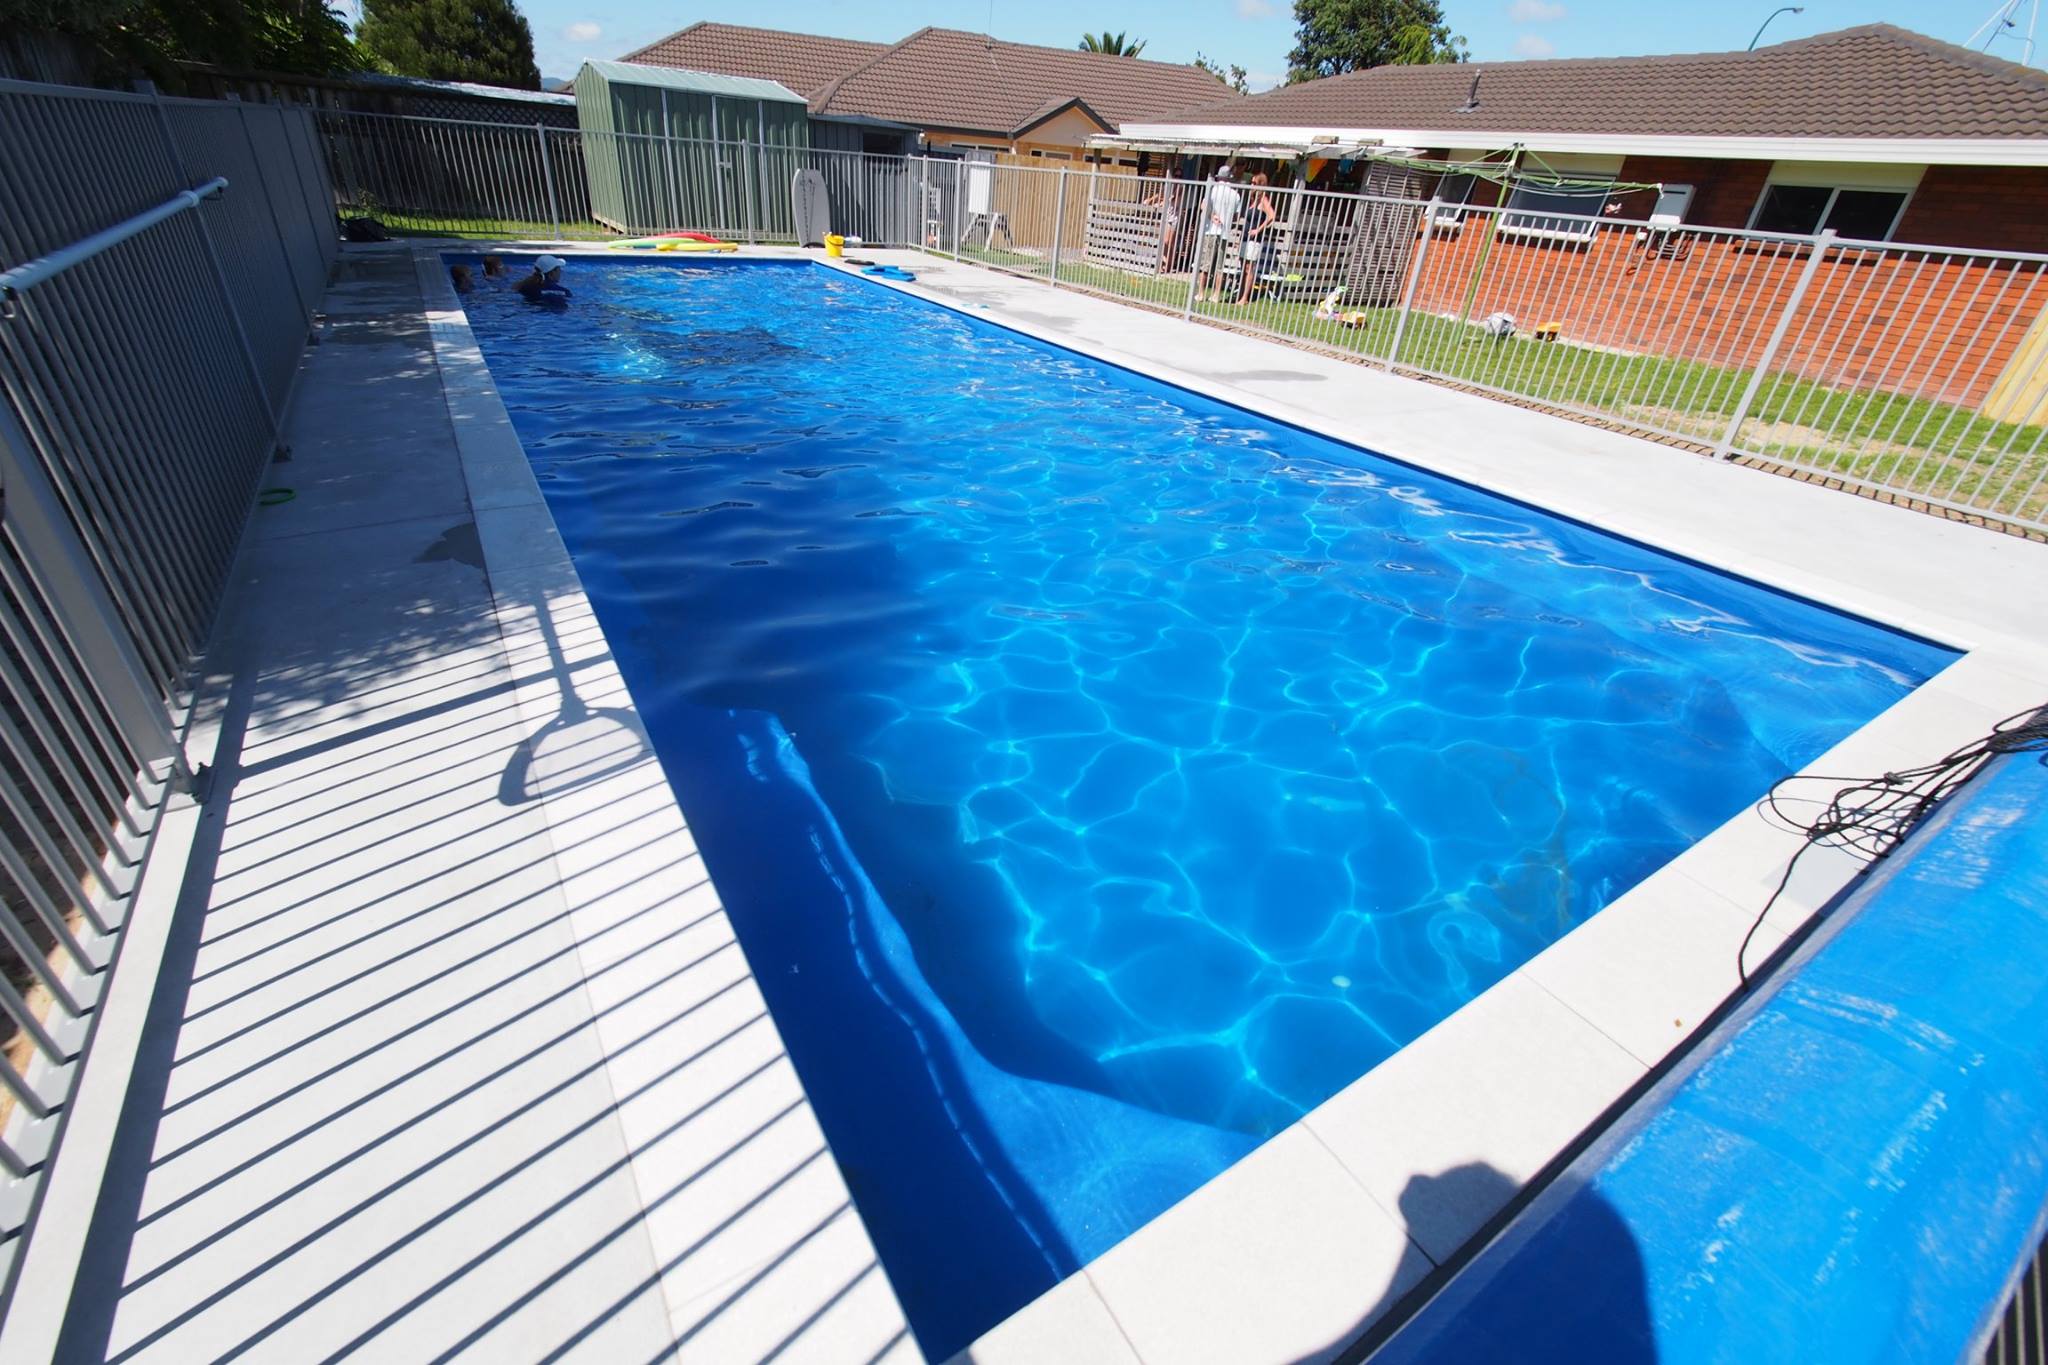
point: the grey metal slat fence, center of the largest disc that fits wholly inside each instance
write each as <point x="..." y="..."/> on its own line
<point x="453" y="178"/>
<point x="140" y="387"/>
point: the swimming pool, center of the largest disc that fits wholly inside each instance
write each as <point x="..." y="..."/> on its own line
<point x="1099" y="777"/>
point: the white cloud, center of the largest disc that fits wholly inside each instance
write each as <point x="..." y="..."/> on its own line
<point x="583" y="32"/>
<point x="1534" y="45"/>
<point x="1535" y="11"/>
<point x="1256" y="9"/>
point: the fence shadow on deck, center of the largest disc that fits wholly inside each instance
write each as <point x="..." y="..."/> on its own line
<point x="452" y="1050"/>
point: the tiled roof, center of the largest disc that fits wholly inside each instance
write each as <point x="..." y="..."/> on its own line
<point x="1875" y="81"/>
<point x="805" y="62"/>
<point x="948" y="78"/>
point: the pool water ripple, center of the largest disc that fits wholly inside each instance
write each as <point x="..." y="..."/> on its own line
<point x="1184" y="765"/>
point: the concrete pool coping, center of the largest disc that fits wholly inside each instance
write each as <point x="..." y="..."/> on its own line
<point x="1301" y="1247"/>
<point x="522" y="551"/>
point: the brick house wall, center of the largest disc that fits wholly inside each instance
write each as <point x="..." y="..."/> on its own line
<point x="1918" y="325"/>
<point x="1990" y="208"/>
<point x="1983" y="208"/>
<point x="1922" y="326"/>
<point x="1723" y="192"/>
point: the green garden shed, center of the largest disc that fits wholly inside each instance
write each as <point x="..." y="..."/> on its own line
<point x="670" y="150"/>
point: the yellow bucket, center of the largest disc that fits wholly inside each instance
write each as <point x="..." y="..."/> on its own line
<point x="835" y="245"/>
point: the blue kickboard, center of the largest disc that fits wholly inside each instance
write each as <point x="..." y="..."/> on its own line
<point x="1856" y="1171"/>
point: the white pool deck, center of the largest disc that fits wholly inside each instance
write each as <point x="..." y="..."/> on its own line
<point x="454" y="1054"/>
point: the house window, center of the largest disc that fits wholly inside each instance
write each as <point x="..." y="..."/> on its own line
<point x="1566" y="212"/>
<point x="1052" y="156"/>
<point x="1862" y="214"/>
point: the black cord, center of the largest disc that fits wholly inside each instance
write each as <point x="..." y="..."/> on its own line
<point x="1871" y="816"/>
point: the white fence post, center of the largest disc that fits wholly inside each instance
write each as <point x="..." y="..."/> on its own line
<point x="1414" y="279"/>
<point x="1822" y="243"/>
<point x="540" y="133"/>
<point x="912" y="235"/>
<point x="1059" y="224"/>
<point x="1198" y="223"/>
<point x="959" y="201"/>
<point x="924" y="204"/>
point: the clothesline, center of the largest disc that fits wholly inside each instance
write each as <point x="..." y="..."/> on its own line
<point x="1509" y="173"/>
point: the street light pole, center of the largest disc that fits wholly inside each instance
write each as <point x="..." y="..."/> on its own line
<point x="1782" y="9"/>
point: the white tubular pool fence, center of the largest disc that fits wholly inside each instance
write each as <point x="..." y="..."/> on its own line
<point x="1916" y="372"/>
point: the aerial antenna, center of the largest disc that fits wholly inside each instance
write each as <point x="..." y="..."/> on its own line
<point x="1471" y="104"/>
<point x="2004" y="23"/>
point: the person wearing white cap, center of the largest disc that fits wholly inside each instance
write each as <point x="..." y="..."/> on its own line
<point x="1219" y="212"/>
<point x="546" y="280"/>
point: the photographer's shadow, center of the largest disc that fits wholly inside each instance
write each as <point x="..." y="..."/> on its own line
<point x="1567" y="1284"/>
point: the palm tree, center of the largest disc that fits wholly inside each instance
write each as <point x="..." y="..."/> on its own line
<point x="1110" y="44"/>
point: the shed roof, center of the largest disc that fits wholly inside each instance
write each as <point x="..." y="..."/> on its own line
<point x="695" y="82"/>
<point x="1874" y="81"/>
<point x="466" y="89"/>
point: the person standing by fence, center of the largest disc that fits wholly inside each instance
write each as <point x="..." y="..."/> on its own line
<point x="1259" y="217"/>
<point x="1166" y="202"/>
<point x="1219" y="212"/>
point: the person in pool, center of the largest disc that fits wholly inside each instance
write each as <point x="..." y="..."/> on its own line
<point x="494" y="267"/>
<point x="545" y="283"/>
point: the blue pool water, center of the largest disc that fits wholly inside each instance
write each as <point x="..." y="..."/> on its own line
<point x="1099" y="777"/>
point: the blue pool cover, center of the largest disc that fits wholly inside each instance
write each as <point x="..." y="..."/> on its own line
<point x="1854" y="1173"/>
<point x="1099" y="776"/>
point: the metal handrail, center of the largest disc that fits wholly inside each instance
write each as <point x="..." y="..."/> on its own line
<point x="132" y="440"/>
<point x="29" y="274"/>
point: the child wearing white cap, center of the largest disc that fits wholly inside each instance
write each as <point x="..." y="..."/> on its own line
<point x="546" y="280"/>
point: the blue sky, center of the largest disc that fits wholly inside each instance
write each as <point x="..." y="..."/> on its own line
<point x="1255" y="33"/>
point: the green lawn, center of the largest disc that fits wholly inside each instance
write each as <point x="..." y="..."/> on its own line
<point x="404" y="223"/>
<point x="1904" y="443"/>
